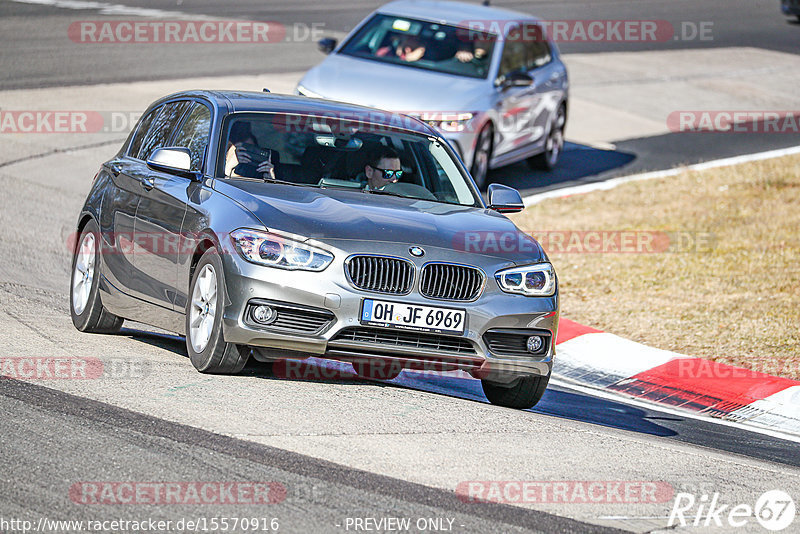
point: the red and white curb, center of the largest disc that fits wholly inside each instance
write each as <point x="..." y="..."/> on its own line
<point x="603" y="361"/>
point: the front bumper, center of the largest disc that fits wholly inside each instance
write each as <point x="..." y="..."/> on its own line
<point x="330" y="292"/>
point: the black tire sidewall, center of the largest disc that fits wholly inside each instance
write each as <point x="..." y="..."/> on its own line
<point x="204" y="360"/>
<point x="525" y="393"/>
<point x="485" y="131"/>
<point x="84" y="320"/>
<point x="552" y="164"/>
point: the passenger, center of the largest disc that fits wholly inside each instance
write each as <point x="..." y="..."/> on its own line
<point x="383" y="167"/>
<point x="238" y="161"/>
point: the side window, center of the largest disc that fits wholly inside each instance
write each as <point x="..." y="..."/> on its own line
<point x="513" y="58"/>
<point x="162" y="127"/>
<point x="144" y="126"/>
<point x="194" y="134"/>
<point x="537" y="50"/>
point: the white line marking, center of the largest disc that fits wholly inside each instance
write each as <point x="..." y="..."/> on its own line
<point x="614" y="182"/>
<point x="603" y="394"/>
<point x="113" y="9"/>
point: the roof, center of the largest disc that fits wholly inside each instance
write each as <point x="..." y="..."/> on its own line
<point x="453" y="13"/>
<point x="244" y="101"/>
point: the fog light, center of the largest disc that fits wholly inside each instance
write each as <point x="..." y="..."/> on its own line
<point x="534" y="344"/>
<point x="264" y="314"/>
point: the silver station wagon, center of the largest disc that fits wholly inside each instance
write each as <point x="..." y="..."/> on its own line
<point x="280" y="227"/>
<point x="489" y="80"/>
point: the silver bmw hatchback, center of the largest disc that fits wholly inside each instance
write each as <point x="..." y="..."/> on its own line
<point x="281" y="227"/>
<point x="489" y="80"/>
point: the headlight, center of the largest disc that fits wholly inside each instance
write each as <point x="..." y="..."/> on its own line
<point x="533" y="280"/>
<point x="264" y="248"/>
<point x="301" y="90"/>
<point x="454" y="122"/>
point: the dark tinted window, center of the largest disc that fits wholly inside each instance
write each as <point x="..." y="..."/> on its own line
<point x="162" y="127"/>
<point x="513" y="58"/>
<point x="526" y="49"/>
<point x="537" y="51"/>
<point x="144" y="126"/>
<point x="194" y="134"/>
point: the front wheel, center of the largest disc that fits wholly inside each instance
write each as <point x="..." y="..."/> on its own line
<point x="482" y="156"/>
<point x="554" y="144"/>
<point x="88" y="313"/>
<point x="205" y="343"/>
<point x="524" y="393"/>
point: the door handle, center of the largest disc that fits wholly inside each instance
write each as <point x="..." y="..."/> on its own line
<point x="148" y="183"/>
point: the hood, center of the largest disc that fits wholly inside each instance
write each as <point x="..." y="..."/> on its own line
<point x="334" y="215"/>
<point x="391" y="87"/>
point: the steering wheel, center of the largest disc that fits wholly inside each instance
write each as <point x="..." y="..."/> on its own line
<point x="409" y="190"/>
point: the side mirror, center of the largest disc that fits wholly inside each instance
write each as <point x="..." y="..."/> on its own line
<point x="326" y="45"/>
<point x="516" y="79"/>
<point x="173" y="160"/>
<point x="504" y="199"/>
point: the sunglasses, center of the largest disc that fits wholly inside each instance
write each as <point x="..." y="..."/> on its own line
<point x="390" y="174"/>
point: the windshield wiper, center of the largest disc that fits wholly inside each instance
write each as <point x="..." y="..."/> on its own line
<point x="285" y="182"/>
<point x="437" y="200"/>
<point x="269" y="180"/>
<point x="390" y="193"/>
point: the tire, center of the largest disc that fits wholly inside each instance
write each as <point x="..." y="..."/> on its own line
<point x="374" y="369"/>
<point x="482" y="156"/>
<point x="525" y="393"/>
<point x="88" y="313"/>
<point x="205" y="343"/>
<point x="554" y="145"/>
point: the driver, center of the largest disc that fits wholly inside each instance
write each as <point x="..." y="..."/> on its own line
<point x="382" y="168"/>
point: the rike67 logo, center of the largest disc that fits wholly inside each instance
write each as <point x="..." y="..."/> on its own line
<point x="774" y="510"/>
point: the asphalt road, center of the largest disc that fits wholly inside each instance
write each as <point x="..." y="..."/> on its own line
<point x="342" y="449"/>
<point x="376" y="449"/>
<point x="101" y="442"/>
<point x="37" y="51"/>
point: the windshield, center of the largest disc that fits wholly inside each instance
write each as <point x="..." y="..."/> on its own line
<point x="425" y="45"/>
<point x="344" y="152"/>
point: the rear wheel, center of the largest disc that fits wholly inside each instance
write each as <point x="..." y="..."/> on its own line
<point x="524" y="393"/>
<point x="88" y="313"/>
<point x="482" y="156"/>
<point x="205" y="343"/>
<point x="554" y="145"/>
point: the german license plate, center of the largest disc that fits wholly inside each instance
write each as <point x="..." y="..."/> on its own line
<point x="413" y="316"/>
